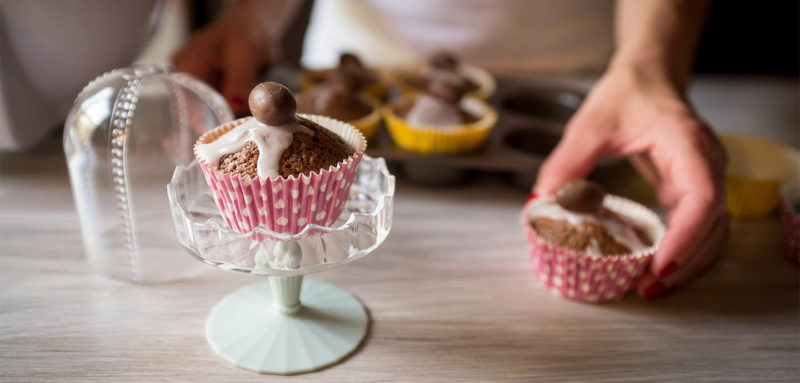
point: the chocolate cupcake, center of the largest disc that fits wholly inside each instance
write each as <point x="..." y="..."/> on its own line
<point x="589" y="246"/>
<point x="478" y="82"/>
<point x="369" y="81"/>
<point x="441" y="119"/>
<point x="278" y="169"/>
<point x="338" y="98"/>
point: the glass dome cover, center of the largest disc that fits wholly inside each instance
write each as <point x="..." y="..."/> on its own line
<point x="125" y="134"/>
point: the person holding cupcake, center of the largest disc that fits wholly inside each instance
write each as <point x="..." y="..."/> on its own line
<point x="638" y="108"/>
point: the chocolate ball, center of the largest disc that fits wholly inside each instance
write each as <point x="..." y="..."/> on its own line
<point x="345" y="78"/>
<point x="581" y="196"/>
<point x="446" y="89"/>
<point x="444" y="60"/>
<point x="349" y="59"/>
<point x="272" y="104"/>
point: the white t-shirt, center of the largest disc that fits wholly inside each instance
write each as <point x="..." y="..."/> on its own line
<point x="504" y="36"/>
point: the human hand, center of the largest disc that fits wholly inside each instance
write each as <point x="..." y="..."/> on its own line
<point x="631" y="112"/>
<point x="229" y="53"/>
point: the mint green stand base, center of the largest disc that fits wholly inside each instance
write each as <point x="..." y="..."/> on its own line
<point x="264" y="328"/>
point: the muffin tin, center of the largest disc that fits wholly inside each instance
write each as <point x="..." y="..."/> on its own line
<point x="532" y="115"/>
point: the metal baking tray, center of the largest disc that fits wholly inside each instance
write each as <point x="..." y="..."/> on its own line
<point x="532" y="115"/>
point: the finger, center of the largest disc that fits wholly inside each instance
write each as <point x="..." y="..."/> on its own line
<point x="198" y="62"/>
<point x="241" y="64"/>
<point x="704" y="255"/>
<point x="646" y="168"/>
<point x="694" y="212"/>
<point x="573" y="158"/>
<point x="650" y="286"/>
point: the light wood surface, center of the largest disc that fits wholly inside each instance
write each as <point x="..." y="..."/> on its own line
<point x="450" y="293"/>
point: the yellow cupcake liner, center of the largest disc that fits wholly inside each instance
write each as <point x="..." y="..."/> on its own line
<point x="756" y="169"/>
<point x="369" y="124"/>
<point x="486" y="82"/>
<point x="436" y="140"/>
<point x="378" y="91"/>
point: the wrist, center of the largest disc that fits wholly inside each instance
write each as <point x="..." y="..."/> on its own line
<point x="649" y="72"/>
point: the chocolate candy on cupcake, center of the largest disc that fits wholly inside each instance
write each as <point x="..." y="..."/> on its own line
<point x="278" y="169"/>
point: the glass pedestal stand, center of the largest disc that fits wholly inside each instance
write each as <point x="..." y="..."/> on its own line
<point x="286" y="325"/>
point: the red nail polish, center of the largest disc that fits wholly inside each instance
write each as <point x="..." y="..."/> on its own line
<point x="654" y="290"/>
<point x="667" y="270"/>
<point x="236" y="102"/>
<point x="531" y="197"/>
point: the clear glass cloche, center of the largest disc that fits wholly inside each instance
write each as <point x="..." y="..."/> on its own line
<point x="127" y="131"/>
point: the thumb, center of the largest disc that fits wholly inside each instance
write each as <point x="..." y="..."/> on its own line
<point x="241" y="63"/>
<point x="573" y="158"/>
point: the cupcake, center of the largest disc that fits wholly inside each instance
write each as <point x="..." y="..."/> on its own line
<point x="441" y="119"/>
<point x="338" y="98"/>
<point x="369" y="81"/>
<point x="479" y="83"/>
<point x="790" y="219"/>
<point x="589" y="246"/>
<point x="280" y="170"/>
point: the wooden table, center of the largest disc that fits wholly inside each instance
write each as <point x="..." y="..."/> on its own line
<point x="450" y="293"/>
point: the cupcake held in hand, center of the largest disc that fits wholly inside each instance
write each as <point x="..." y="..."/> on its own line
<point x="589" y="246"/>
<point x="278" y="169"/>
<point x="440" y="120"/>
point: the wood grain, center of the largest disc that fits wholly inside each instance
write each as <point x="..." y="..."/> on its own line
<point x="450" y="293"/>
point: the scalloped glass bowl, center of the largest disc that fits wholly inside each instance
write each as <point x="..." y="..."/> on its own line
<point x="363" y="225"/>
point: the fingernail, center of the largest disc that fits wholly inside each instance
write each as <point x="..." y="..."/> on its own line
<point x="236" y="102"/>
<point x="667" y="270"/>
<point x="654" y="290"/>
<point x="532" y="197"/>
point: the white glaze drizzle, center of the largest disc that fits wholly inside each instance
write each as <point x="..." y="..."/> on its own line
<point x="271" y="142"/>
<point x="623" y="232"/>
<point x="433" y="112"/>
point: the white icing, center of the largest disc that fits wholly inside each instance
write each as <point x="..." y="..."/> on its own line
<point x="271" y="142"/>
<point x="623" y="232"/>
<point x="433" y="112"/>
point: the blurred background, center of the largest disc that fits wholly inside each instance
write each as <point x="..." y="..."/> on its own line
<point x="740" y="40"/>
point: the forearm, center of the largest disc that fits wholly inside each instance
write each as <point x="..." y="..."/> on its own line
<point x="272" y="16"/>
<point x="658" y="38"/>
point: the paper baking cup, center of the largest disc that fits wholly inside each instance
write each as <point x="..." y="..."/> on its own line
<point x="756" y="169"/>
<point x="378" y="90"/>
<point x="592" y="278"/>
<point x="436" y="140"/>
<point x="485" y="81"/>
<point x="285" y="205"/>
<point x="790" y="220"/>
<point x="369" y="124"/>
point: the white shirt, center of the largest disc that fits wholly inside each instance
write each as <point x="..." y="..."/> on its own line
<point x="503" y="36"/>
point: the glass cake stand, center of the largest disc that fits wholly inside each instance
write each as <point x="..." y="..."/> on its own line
<point x="286" y="325"/>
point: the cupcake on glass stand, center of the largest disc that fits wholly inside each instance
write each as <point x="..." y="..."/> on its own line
<point x="282" y="195"/>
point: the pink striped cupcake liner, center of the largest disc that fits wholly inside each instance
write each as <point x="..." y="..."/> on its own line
<point x="790" y="220"/>
<point x="285" y="205"/>
<point x="592" y="278"/>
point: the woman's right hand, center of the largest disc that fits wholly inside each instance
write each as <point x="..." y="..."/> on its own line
<point x="229" y="53"/>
